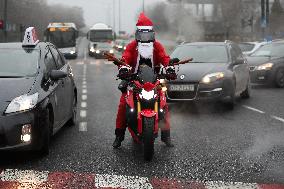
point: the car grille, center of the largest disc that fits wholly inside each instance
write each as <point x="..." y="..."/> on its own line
<point x="252" y="68"/>
<point x="183" y="95"/>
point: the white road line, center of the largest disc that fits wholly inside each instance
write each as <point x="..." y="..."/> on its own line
<point x="253" y="109"/>
<point x="120" y="181"/>
<point x="85" y="54"/>
<point x="83" y="127"/>
<point x="84" y="91"/>
<point x="108" y="62"/>
<point x="26" y="176"/>
<point x="278" y="118"/>
<point x="84" y="82"/>
<point x="84" y="86"/>
<point x="80" y="63"/>
<point x="83" y="104"/>
<point x="83" y="113"/>
<point x="84" y="97"/>
<point x="229" y="185"/>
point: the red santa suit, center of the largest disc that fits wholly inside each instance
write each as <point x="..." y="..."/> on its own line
<point x="131" y="56"/>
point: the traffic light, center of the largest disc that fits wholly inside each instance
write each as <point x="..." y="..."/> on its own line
<point x="1" y="24"/>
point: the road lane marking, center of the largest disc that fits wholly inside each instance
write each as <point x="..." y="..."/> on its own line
<point x="26" y="176"/>
<point x="84" y="91"/>
<point x="83" y="113"/>
<point x="278" y="118"/>
<point x="254" y="109"/>
<point x="84" y="86"/>
<point x="108" y="62"/>
<point x="229" y="185"/>
<point x="84" y="97"/>
<point x="85" y="54"/>
<point x="46" y="179"/>
<point x="80" y="63"/>
<point x="120" y="181"/>
<point x="83" y="104"/>
<point x="84" y="81"/>
<point x="83" y="127"/>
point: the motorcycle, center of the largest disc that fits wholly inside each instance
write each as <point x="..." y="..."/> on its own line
<point x="146" y="103"/>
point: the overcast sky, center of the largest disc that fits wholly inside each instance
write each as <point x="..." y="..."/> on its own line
<point x="102" y="11"/>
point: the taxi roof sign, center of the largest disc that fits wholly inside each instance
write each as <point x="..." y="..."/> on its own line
<point x="30" y="38"/>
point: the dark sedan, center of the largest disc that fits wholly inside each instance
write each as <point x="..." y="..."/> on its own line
<point x="218" y="72"/>
<point x="37" y="95"/>
<point x="267" y="64"/>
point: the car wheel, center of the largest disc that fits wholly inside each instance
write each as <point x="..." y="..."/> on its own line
<point x="230" y="103"/>
<point x="73" y="119"/>
<point x="44" y="150"/>
<point x="246" y="93"/>
<point x="279" y="78"/>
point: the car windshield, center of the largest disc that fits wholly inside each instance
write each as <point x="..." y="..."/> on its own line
<point x="63" y="39"/>
<point x="103" y="45"/>
<point x="270" y="50"/>
<point x="104" y="35"/>
<point x="18" y="62"/>
<point x="202" y="53"/>
<point x="246" y="47"/>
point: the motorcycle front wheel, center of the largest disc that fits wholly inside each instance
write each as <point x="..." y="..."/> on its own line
<point x="148" y="138"/>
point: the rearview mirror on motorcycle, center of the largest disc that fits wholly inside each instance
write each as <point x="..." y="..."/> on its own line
<point x="174" y="61"/>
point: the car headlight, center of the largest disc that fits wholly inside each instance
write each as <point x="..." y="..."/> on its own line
<point x="92" y="49"/>
<point x="266" y="66"/>
<point x="124" y="48"/>
<point x="148" y="95"/>
<point x="72" y="52"/>
<point x="162" y="81"/>
<point x="119" y="46"/>
<point x="98" y="51"/>
<point x="22" y="103"/>
<point x="209" y="78"/>
<point x="111" y="51"/>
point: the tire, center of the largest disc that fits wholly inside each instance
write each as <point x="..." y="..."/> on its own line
<point x="279" y="78"/>
<point x="246" y="93"/>
<point x="72" y="121"/>
<point x="148" y="138"/>
<point x="230" y="104"/>
<point x="44" y="150"/>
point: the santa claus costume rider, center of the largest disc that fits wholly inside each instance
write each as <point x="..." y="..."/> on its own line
<point x="147" y="50"/>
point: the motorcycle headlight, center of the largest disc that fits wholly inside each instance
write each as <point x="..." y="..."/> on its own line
<point x="22" y="103"/>
<point x="92" y="49"/>
<point x="209" y="78"/>
<point x="111" y="51"/>
<point x="98" y="51"/>
<point x="266" y="66"/>
<point x="147" y="95"/>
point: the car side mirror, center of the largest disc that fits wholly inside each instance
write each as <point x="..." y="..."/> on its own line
<point x="57" y="74"/>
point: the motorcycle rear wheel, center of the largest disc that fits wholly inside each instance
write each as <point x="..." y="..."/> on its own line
<point x="148" y="138"/>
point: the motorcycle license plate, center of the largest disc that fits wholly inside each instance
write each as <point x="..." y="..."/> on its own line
<point x="181" y="87"/>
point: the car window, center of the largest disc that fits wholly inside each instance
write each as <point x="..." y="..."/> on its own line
<point x="202" y="53"/>
<point x="18" y="62"/>
<point x="57" y="57"/>
<point x="49" y="62"/>
<point x="271" y="50"/>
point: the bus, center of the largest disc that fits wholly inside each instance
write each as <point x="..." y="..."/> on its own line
<point x="64" y="36"/>
<point x="100" y="35"/>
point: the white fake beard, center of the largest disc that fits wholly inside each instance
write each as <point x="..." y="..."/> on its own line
<point x="146" y="50"/>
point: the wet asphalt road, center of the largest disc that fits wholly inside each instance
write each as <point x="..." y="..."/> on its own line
<point x="211" y="143"/>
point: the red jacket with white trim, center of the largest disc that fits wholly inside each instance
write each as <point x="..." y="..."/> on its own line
<point x="130" y="55"/>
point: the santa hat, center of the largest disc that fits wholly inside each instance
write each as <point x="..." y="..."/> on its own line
<point x="144" y="22"/>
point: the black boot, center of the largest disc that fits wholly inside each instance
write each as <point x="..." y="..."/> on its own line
<point x="119" y="137"/>
<point x="166" y="138"/>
